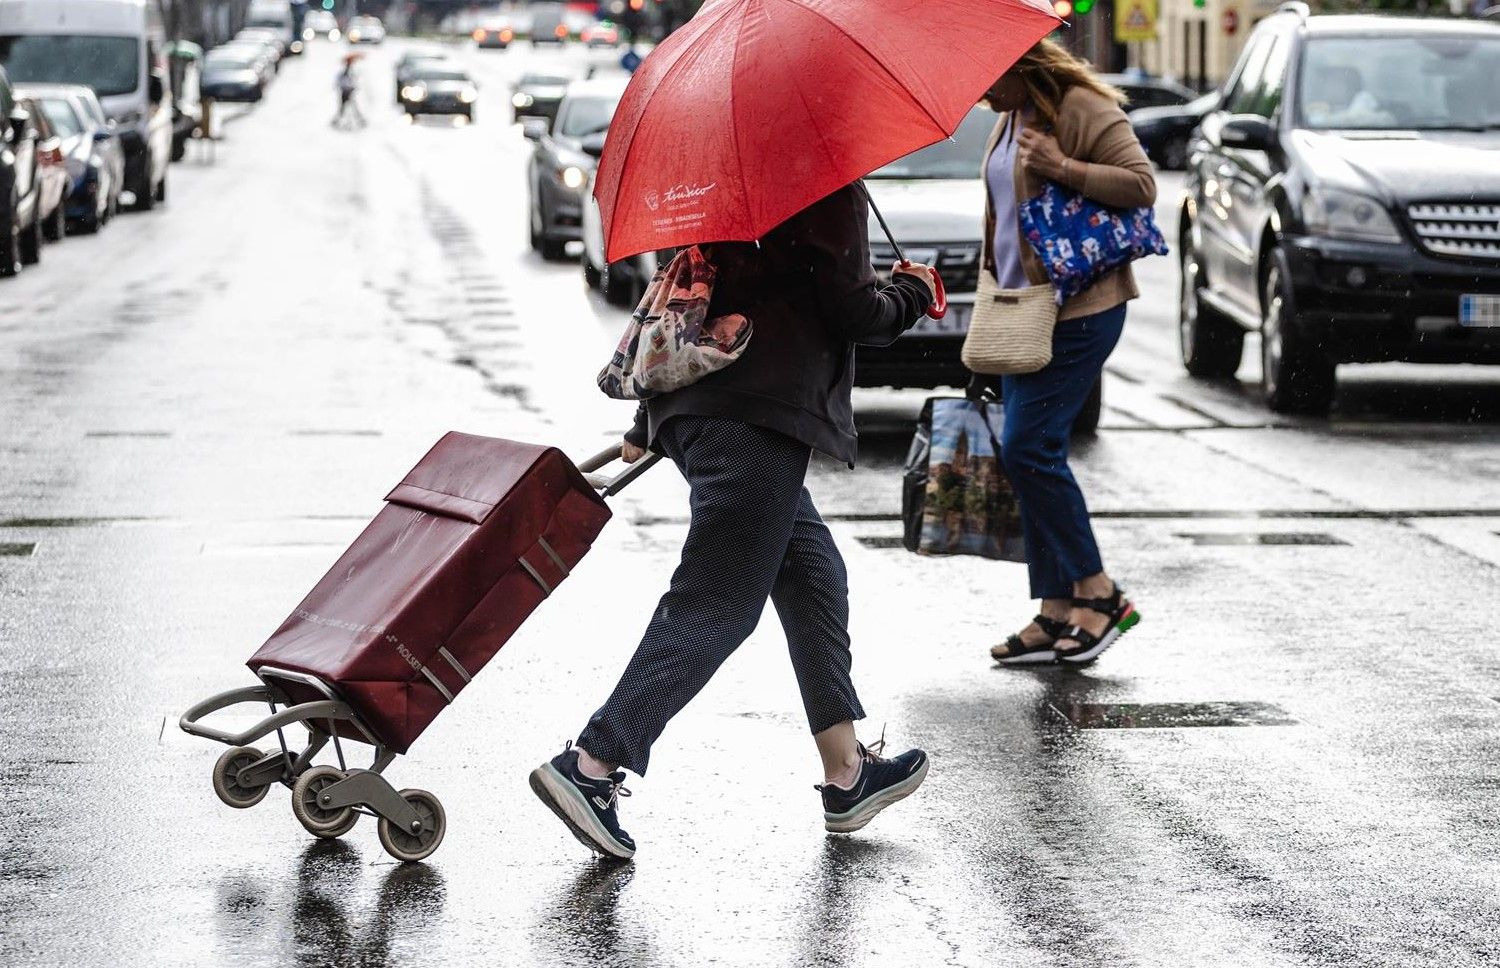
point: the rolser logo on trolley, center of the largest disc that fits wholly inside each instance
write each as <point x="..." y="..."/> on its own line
<point x="405" y="653"/>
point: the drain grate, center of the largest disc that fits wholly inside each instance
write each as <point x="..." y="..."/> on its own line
<point x="1234" y="539"/>
<point x="16" y="549"/>
<point x="1170" y="715"/>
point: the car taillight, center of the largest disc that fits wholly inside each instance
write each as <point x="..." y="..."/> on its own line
<point x="561" y="31"/>
<point x="479" y="34"/>
<point x="506" y="35"/>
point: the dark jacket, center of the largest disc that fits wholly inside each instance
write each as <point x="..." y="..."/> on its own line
<point x="810" y="292"/>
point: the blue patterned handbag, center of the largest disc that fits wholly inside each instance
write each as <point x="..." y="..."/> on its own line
<point x="1079" y="240"/>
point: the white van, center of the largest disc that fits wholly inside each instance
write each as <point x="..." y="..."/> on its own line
<point x="277" y="15"/>
<point x="114" y="47"/>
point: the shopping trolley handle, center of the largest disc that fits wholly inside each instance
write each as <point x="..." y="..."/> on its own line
<point x="606" y="484"/>
<point x="322" y="709"/>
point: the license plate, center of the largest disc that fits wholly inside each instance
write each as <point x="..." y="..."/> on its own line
<point x="954" y="323"/>
<point x="1478" y="310"/>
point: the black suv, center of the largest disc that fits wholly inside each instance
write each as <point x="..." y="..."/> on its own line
<point x="1344" y="202"/>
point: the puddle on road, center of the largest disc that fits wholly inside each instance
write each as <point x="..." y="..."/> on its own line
<point x="1170" y="715"/>
<point x="69" y="522"/>
<point x="880" y="542"/>
<point x="14" y="549"/>
<point x="128" y="433"/>
<point x="1234" y="539"/>
<point x="334" y="433"/>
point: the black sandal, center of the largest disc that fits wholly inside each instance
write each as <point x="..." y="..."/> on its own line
<point x="1122" y="618"/>
<point x="1019" y="653"/>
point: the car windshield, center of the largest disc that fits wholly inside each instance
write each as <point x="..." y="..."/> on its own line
<point x="544" y="80"/>
<point x="109" y="65"/>
<point x="60" y="113"/>
<point x="431" y="74"/>
<point x="959" y="157"/>
<point x="1401" y="83"/>
<point x="230" y="59"/>
<point x="586" y="115"/>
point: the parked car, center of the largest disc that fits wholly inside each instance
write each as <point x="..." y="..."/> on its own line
<point x="366" y="30"/>
<point x="1145" y="91"/>
<point x="91" y="152"/>
<point x="1344" y="202"/>
<point x="538" y="95"/>
<point x="277" y="18"/>
<point x="548" y="25"/>
<point x="559" y="168"/>
<point x="20" y="228"/>
<point x="438" y="87"/>
<point x="600" y="34"/>
<point x="1166" y="132"/>
<point x="51" y="170"/>
<point x="236" y="72"/>
<point x="414" y="57"/>
<point x="271" y="38"/>
<point x="320" y="23"/>
<point x="495" y="35"/>
<point x="113" y="46"/>
<point x="265" y="46"/>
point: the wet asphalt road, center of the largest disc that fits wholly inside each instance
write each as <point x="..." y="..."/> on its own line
<point x="1291" y="762"/>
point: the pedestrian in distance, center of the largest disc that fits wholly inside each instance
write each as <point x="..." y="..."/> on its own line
<point x="348" y="88"/>
<point x="1060" y="123"/>
<point x="743" y="437"/>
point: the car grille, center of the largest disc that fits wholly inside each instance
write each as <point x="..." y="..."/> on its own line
<point x="1458" y="229"/>
<point x="958" y="263"/>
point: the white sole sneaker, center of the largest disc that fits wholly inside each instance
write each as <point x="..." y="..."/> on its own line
<point x="857" y="817"/>
<point x="564" y="799"/>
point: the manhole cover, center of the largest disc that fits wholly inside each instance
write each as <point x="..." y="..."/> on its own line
<point x="1242" y="538"/>
<point x="14" y="549"/>
<point x="1170" y="715"/>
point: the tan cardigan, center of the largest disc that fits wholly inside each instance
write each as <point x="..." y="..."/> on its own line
<point x="1108" y="166"/>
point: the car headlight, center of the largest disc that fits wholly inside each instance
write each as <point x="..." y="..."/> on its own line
<point x="414" y="93"/>
<point x="572" y="176"/>
<point x="523" y="100"/>
<point x="333" y="34"/>
<point x="1347" y="215"/>
<point x="353" y="36"/>
<point x="467" y="95"/>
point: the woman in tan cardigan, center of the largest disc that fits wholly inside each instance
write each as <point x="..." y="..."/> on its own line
<point x="1059" y="123"/>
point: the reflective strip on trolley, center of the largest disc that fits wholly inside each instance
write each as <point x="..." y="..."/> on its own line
<point x="536" y="575"/>
<point x="556" y="558"/>
<point x="436" y="684"/>
<point x="454" y="663"/>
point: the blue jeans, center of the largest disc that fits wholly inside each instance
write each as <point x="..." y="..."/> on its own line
<point x="1040" y="409"/>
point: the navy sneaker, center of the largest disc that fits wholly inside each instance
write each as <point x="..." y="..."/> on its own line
<point x="585" y="804"/>
<point x="881" y="783"/>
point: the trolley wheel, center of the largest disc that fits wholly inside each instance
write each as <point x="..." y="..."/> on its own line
<point x="228" y="787"/>
<point x="319" y="821"/>
<point x="406" y="846"/>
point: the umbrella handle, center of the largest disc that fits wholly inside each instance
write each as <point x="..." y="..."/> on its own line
<point x="939" y="307"/>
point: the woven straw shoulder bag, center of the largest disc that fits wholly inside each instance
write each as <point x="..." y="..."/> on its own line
<point x="1011" y="331"/>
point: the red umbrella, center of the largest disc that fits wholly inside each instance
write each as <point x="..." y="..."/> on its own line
<point x="758" y="108"/>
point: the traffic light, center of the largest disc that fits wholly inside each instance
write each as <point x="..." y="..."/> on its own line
<point x="328" y="4"/>
<point x="1082" y="7"/>
<point x="1200" y="4"/>
<point x="1063" y="8"/>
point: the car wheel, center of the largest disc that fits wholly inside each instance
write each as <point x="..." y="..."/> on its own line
<point x="56" y="224"/>
<point x="1211" y="344"/>
<point x="145" y="195"/>
<point x="554" y="250"/>
<point x="592" y="277"/>
<point x="161" y="189"/>
<point x="1087" y="421"/>
<point x="1295" y="376"/>
<point x="31" y="240"/>
<point x="618" y="286"/>
<point x="10" y="241"/>
<point x="179" y="148"/>
<point x="1174" y="153"/>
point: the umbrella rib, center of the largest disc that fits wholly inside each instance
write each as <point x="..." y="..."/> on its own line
<point x="870" y="54"/>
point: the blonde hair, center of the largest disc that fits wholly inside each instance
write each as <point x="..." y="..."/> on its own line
<point x="1049" y="71"/>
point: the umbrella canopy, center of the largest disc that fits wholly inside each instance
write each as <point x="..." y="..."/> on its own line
<point x="758" y="108"/>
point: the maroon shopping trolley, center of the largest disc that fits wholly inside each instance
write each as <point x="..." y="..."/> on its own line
<point x="468" y="545"/>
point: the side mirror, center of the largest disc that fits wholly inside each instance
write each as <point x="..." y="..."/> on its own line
<point x="1247" y="132"/>
<point x="593" y="145"/>
<point x="533" y="128"/>
<point x="16" y="129"/>
<point x="156" y="91"/>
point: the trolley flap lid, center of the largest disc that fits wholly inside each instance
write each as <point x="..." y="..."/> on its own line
<point x="464" y="476"/>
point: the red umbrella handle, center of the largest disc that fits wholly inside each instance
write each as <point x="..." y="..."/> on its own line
<point x="939" y="307"/>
